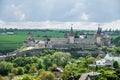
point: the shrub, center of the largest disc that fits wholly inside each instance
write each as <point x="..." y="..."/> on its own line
<point x="14" y="71"/>
<point x="33" y="69"/>
<point x="115" y="64"/>
<point x="27" y="68"/>
<point x="26" y="77"/>
<point x="5" y="68"/>
<point x="46" y="75"/>
<point x="20" y="70"/>
<point x="112" y="77"/>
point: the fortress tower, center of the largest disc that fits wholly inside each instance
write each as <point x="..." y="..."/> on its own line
<point x="98" y="36"/>
<point x="29" y="40"/>
<point x="71" y="35"/>
<point x="30" y="37"/>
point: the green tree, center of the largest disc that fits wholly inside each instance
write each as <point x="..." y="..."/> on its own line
<point x="115" y="64"/>
<point x="101" y="77"/>
<point x="26" y="77"/>
<point x="76" y="35"/>
<point x="39" y="72"/>
<point x="20" y="71"/>
<point x="14" y="71"/>
<point x="60" y="58"/>
<point x="66" y="75"/>
<point x="117" y="72"/>
<point x="33" y="69"/>
<point x="116" y="41"/>
<point x="112" y="77"/>
<point x="47" y="61"/>
<point x="27" y="68"/>
<point x="22" y="61"/>
<point x="5" y="68"/>
<point x="46" y="75"/>
<point x="46" y="52"/>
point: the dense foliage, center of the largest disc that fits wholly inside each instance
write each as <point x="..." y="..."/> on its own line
<point x="5" y="68"/>
<point x="116" y="41"/>
<point x="39" y="67"/>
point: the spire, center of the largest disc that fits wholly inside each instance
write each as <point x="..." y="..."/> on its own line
<point x="71" y="31"/>
<point x="99" y="29"/>
<point x="30" y="36"/>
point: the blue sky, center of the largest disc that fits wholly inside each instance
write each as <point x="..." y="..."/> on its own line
<point x="98" y="11"/>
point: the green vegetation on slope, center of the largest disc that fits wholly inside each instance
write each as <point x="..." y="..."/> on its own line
<point x="40" y="67"/>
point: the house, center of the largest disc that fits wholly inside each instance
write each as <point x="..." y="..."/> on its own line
<point x="9" y="33"/>
<point x="108" y="60"/>
<point x="57" y="72"/>
<point x="109" y="56"/>
<point x="104" y="62"/>
<point x="89" y="76"/>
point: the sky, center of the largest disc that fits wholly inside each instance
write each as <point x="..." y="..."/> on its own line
<point x="83" y="14"/>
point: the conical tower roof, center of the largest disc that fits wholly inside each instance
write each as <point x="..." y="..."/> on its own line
<point x="30" y="36"/>
<point x="71" y="32"/>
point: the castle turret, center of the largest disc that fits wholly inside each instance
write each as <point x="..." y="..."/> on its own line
<point x="30" y="37"/>
<point x="71" y="32"/>
<point x="99" y="31"/>
<point x="98" y="36"/>
<point x="71" y="35"/>
<point x="106" y="40"/>
<point x="29" y="41"/>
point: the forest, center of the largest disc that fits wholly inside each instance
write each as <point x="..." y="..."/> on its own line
<point x="40" y="67"/>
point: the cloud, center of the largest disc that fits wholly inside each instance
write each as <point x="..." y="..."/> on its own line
<point x="85" y="17"/>
<point x="112" y="25"/>
<point x="60" y="10"/>
<point x="17" y="12"/>
<point x="60" y="25"/>
<point x="2" y="22"/>
<point x="75" y="9"/>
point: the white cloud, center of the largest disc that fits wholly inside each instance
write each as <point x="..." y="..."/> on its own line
<point x="85" y="17"/>
<point x="20" y="15"/>
<point x="60" y="10"/>
<point x="60" y="25"/>
<point x="75" y="9"/>
<point x="113" y="25"/>
<point x="2" y="22"/>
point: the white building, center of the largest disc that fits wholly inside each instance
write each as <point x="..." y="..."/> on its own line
<point x="108" y="60"/>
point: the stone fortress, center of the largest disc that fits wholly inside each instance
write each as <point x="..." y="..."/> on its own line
<point x="69" y="41"/>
